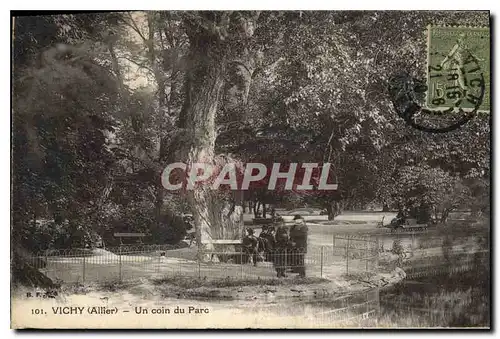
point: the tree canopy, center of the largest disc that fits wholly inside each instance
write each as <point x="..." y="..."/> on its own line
<point x="104" y="101"/>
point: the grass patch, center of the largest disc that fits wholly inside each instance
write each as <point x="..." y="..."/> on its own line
<point x="445" y="301"/>
<point x="190" y="283"/>
<point x="354" y="222"/>
<point x="114" y="285"/>
<point x="200" y="289"/>
<point x="340" y="222"/>
<point x="469" y="308"/>
<point x="358" y="276"/>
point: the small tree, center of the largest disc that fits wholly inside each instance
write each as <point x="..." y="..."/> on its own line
<point x="423" y="190"/>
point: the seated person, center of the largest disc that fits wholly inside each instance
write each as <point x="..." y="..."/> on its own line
<point x="268" y="241"/>
<point x="399" y="219"/>
<point x="251" y="246"/>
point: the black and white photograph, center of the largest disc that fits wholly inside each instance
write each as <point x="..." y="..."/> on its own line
<point x="245" y="169"/>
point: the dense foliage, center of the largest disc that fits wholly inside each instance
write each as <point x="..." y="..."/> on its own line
<point x="102" y="102"/>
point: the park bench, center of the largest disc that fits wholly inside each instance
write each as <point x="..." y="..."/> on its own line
<point x="410" y="224"/>
<point x="266" y="221"/>
<point x="223" y="242"/>
<point x="129" y="235"/>
<point x="381" y="223"/>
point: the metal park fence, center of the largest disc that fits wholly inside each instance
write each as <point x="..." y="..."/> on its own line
<point x="359" y="254"/>
<point x="350" y="310"/>
<point x="360" y="309"/>
<point x="426" y="257"/>
<point x="453" y="263"/>
<point x="347" y="255"/>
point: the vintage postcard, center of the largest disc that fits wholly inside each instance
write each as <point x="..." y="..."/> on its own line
<point x="250" y="169"/>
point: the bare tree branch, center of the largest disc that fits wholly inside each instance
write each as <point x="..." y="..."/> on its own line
<point x="137" y="63"/>
<point x="133" y="25"/>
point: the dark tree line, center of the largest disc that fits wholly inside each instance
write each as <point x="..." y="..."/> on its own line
<point x="103" y="102"/>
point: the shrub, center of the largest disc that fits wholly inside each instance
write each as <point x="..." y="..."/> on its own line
<point x="397" y="247"/>
<point x="171" y="230"/>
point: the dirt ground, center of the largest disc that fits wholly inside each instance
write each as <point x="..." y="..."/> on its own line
<point x="290" y="305"/>
<point x="322" y="259"/>
<point x="263" y="305"/>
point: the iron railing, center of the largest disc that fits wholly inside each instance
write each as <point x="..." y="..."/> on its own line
<point x="349" y="255"/>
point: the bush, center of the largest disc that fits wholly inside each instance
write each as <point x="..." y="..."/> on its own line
<point x="47" y="234"/>
<point x="171" y="230"/>
<point x="447" y="247"/>
<point x="397" y="247"/>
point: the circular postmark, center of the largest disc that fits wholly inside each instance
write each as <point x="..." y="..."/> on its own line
<point x="455" y="85"/>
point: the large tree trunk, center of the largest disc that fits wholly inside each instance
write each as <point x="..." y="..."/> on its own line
<point x="204" y="87"/>
<point x="444" y="215"/>
<point x="227" y="221"/>
<point x="256" y="208"/>
<point x="334" y="208"/>
<point x="204" y="82"/>
<point x="330" y="210"/>
<point x="158" y="205"/>
<point x="210" y="54"/>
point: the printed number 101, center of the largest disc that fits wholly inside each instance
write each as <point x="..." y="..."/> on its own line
<point x="37" y="311"/>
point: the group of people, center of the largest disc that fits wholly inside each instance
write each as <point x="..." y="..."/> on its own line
<point x="285" y="248"/>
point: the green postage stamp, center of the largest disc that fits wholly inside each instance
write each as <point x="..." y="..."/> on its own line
<point x="458" y="68"/>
